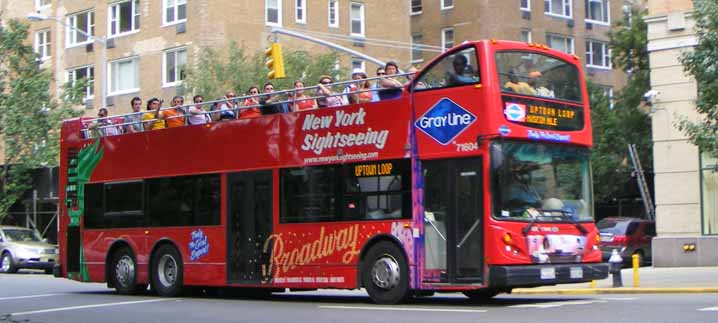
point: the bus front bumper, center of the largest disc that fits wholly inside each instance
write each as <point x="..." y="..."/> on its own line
<point x="545" y="274"/>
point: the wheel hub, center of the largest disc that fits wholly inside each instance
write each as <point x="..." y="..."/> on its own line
<point x="5" y="263"/>
<point x="385" y="273"/>
<point x="167" y="270"/>
<point x="125" y="270"/>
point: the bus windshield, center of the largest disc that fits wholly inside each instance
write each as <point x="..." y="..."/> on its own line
<point x="538" y="75"/>
<point x="536" y="181"/>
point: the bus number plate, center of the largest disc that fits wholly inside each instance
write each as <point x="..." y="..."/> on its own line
<point x="548" y="273"/>
<point x="576" y="272"/>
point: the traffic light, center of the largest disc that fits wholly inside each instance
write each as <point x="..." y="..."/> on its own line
<point x="275" y="62"/>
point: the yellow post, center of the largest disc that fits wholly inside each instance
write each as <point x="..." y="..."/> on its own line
<point x="636" y="259"/>
<point x="593" y="283"/>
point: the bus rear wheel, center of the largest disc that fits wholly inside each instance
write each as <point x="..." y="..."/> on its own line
<point x="123" y="271"/>
<point x="385" y="274"/>
<point x="167" y="271"/>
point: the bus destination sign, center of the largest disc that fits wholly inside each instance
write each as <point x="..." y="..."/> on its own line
<point x="542" y="114"/>
<point x="374" y="169"/>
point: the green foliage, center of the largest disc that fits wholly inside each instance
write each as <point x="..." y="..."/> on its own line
<point x="614" y="128"/>
<point x="29" y="117"/>
<point x="702" y="64"/>
<point x="218" y="71"/>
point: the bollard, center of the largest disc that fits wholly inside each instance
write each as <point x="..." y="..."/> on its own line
<point x="616" y="262"/>
<point x="636" y="259"/>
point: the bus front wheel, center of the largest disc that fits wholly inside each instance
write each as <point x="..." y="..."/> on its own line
<point x="385" y="274"/>
<point x="167" y="271"/>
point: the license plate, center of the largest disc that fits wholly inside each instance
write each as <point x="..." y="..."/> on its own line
<point x="606" y="238"/>
<point x="576" y="272"/>
<point x="548" y="273"/>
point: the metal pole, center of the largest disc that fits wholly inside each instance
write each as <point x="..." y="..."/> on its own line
<point x="34" y="206"/>
<point x="103" y="69"/>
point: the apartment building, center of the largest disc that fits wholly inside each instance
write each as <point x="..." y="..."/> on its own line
<point x="575" y="26"/>
<point x="148" y="42"/>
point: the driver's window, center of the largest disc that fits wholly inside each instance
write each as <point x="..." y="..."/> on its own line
<point x="459" y="68"/>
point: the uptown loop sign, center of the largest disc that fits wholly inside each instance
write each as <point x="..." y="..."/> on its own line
<point x="445" y="121"/>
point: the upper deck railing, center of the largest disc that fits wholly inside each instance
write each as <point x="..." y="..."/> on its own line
<point x="96" y="127"/>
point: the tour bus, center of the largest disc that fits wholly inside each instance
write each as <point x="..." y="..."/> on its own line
<point x="475" y="179"/>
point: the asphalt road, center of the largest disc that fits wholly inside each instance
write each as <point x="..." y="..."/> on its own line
<point x="41" y="298"/>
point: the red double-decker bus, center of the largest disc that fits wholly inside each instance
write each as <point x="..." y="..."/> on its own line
<point x="475" y="179"/>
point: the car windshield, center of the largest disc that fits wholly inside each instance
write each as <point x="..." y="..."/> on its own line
<point x="613" y="226"/>
<point x="20" y="235"/>
<point x="538" y="75"/>
<point x="536" y="181"/>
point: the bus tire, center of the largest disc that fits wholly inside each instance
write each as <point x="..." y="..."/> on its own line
<point x="123" y="271"/>
<point x="480" y="295"/>
<point x="7" y="265"/>
<point x="167" y="271"/>
<point x="385" y="274"/>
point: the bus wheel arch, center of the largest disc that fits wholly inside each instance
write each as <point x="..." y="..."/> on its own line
<point x="166" y="269"/>
<point x="384" y="271"/>
<point x="122" y="268"/>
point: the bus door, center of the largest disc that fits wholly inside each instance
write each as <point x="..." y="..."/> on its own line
<point x="453" y="220"/>
<point x="249" y="223"/>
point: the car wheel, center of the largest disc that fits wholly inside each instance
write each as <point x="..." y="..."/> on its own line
<point x="7" y="265"/>
<point x="123" y="271"/>
<point x="480" y="295"/>
<point x="385" y="274"/>
<point x="48" y="271"/>
<point x="167" y="271"/>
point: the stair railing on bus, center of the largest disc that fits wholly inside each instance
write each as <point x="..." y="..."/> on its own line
<point x="87" y="132"/>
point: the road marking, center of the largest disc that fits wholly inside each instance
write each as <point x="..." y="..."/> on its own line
<point x="417" y="309"/>
<point x="28" y="296"/>
<point x="708" y="309"/>
<point x="558" y="304"/>
<point x="619" y="298"/>
<point x="59" y="309"/>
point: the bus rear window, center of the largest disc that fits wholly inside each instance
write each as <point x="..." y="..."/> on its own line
<point x="538" y="75"/>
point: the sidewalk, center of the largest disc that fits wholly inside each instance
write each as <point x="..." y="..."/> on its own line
<point x="651" y="280"/>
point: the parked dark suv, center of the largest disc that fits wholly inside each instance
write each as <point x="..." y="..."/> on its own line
<point x="627" y="235"/>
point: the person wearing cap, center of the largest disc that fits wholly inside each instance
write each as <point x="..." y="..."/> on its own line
<point x="330" y="99"/>
<point x="359" y="86"/>
<point x="538" y="84"/>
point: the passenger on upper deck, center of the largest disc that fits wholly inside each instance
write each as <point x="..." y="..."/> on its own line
<point x="103" y="126"/>
<point x="133" y="122"/>
<point x="301" y="100"/>
<point x="517" y="86"/>
<point x="361" y="97"/>
<point x="197" y="115"/>
<point x="269" y="101"/>
<point x="228" y="109"/>
<point x="331" y="98"/>
<point x="174" y="117"/>
<point x="391" y="87"/>
<point x="251" y="105"/>
<point x="462" y="74"/>
<point x="152" y="117"/>
<point x="410" y="77"/>
<point x="380" y="71"/>
<point x="538" y="84"/>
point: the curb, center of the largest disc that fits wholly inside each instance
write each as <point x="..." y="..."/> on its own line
<point x="621" y="290"/>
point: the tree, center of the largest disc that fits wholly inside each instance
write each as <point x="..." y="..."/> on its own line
<point x="217" y="71"/>
<point x="616" y="127"/>
<point x="29" y="117"/>
<point x="702" y="64"/>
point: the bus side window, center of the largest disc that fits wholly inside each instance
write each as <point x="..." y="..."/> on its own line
<point x="460" y="68"/>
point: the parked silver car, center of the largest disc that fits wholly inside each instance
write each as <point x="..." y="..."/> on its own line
<point x="24" y="248"/>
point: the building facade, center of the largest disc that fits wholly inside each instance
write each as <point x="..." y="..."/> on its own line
<point x="578" y="27"/>
<point x="686" y="182"/>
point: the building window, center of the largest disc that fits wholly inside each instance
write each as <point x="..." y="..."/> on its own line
<point x="447" y="38"/>
<point x="83" y="73"/>
<point x="333" y="13"/>
<point x="273" y="12"/>
<point x="562" y="43"/>
<point x="526" y="5"/>
<point x="627" y="14"/>
<point x="598" y="54"/>
<point x="416" y="52"/>
<point x="709" y="192"/>
<point x="597" y="11"/>
<point x="42" y="44"/>
<point x="124" y="76"/>
<point x="416" y="7"/>
<point x="300" y="11"/>
<point x="80" y="25"/>
<point x="525" y="36"/>
<point x="175" y="11"/>
<point x="358" y="64"/>
<point x="608" y="93"/>
<point x="42" y="4"/>
<point x="447" y="4"/>
<point x="560" y="8"/>
<point x="124" y="17"/>
<point x="357" y="19"/>
<point x="174" y="66"/>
